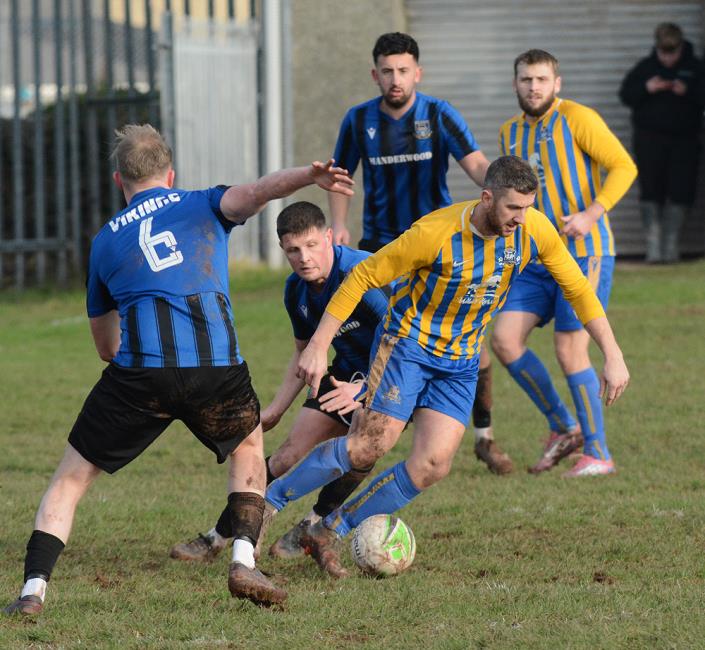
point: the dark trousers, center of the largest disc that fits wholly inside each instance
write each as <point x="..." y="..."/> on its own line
<point x="668" y="166"/>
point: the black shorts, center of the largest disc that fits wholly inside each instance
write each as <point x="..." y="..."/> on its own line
<point x="325" y="387"/>
<point x="129" y="408"/>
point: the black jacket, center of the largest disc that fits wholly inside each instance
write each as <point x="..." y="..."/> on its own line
<point x="666" y="112"/>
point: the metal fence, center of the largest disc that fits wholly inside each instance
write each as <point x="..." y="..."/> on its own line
<point x="71" y="71"/>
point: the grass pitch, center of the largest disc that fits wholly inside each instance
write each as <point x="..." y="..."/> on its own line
<point x="515" y="562"/>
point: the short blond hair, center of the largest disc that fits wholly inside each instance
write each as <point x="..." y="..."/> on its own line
<point x="140" y="153"/>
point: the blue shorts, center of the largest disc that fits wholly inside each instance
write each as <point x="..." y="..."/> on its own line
<point x="403" y="377"/>
<point x="536" y="292"/>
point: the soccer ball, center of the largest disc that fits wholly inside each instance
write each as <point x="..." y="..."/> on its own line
<point x="383" y="545"/>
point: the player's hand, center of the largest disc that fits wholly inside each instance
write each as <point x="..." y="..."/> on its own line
<point x="614" y="380"/>
<point x="577" y="224"/>
<point x="313" y="363"/>
<point x="679" y="88"/>
<point x="341" y="399"/>
<point x="332" y="179"/>
<point x="269" y="419"/>
<point x="341" y="235"/>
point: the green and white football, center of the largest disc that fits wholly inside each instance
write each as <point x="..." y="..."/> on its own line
<point x="383" y="545"/>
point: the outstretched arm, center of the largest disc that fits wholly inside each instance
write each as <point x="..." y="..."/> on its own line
<point x="240" y="202"/>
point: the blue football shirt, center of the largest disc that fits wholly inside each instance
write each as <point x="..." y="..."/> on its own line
<point x="162" y="263"/>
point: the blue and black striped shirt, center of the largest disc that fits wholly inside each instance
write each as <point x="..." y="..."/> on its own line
<point x="162" y="262"/>
<point x="354" y="339"/>
<point x="404" y="161"/>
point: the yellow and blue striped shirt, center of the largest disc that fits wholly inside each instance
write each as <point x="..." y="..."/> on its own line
<point x="452" y="281"/>
<point x="566" y="148"/>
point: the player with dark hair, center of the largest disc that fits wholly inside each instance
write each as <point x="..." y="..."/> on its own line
<point x="403" y="140"/>
<point x="568" y="145"/>
<point x="319" y="268"/>
<point x="459" y="264"/>
<point x="160" y="315"/>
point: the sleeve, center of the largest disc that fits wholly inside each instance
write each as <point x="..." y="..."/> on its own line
<point x="416" y="248"/>
<point x="376" y="301"/>
<point x="214" y="196"/>
<point x="460" y="139"/>
<point x="98" y="299"/>
<point x="565" y="271"/>
<point x="594" y="137"/>
<point x="347" y="154"/>
<point x="302" y="329"/>
<point x="633" y="91"/>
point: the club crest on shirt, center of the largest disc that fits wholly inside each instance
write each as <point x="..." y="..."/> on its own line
<point x="422" y="129"/>
<point x="545" y="135"/>
<point x="371" y="131"/>
<point x="511" y="257"/>
<point x="304" y="310"/>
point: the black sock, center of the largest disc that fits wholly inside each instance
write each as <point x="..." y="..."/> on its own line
<point x="270" y="476"/>
<point x="224" y="527"/>
<point x="334" y="494"/>
<point x="482" y="406"/>
<point x="246" y="509"/>
<point x="43" y="550"/>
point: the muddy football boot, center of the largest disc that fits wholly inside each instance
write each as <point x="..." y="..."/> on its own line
<point x="322" y="544"/>
<point x="253" y="585"/>
<point x="497" y="461"/>
<point x="25" y="606"/>
<point x="558" y="446"/>
<point x="289" y="545"/>
<point x="200" y="549"/>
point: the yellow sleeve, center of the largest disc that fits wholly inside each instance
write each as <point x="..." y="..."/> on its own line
<point x="565" y="271"/>
<point x="594" y="137"/>
<point x="417" y="247"/>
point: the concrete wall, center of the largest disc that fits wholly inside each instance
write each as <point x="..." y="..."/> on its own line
<point x="331" y="44"/>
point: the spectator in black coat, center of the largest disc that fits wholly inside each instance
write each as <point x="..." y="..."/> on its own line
<point x="665" y="92"/>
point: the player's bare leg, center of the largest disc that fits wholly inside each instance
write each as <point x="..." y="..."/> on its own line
<point x="310" y="428"/>
<point x="246" y="503"/>
<point x="52" y="527"/>
<point x="371" y="435"/>
<point x="436" y="440"/>
<point x="486" y="449"/>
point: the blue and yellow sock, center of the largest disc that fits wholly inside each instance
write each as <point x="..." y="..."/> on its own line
<point x="390" y="491"/>
<point x="585" y="388"/>
<point x="324" y="464"/>
<point x="532" y="376"/>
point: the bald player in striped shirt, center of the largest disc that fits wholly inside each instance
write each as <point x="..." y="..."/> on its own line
<point x="456" y="267"/>
<point x="568" y="145"/>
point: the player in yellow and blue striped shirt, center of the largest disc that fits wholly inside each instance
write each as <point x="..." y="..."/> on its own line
<point x="567" y="145"/>
<point x="456" y="267"/>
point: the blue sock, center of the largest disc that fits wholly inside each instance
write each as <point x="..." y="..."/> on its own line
<point x="390" y="491"/>
<point x="532" y="376"/>
<point x="585" y="388"/>
<point x="324" y="464"/>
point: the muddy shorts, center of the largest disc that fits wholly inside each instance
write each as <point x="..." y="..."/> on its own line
<point x="129" y="408"/>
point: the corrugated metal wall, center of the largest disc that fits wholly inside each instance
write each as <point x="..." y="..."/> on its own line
<point x="215" y="79"/>
<point x="468" y="49"/>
